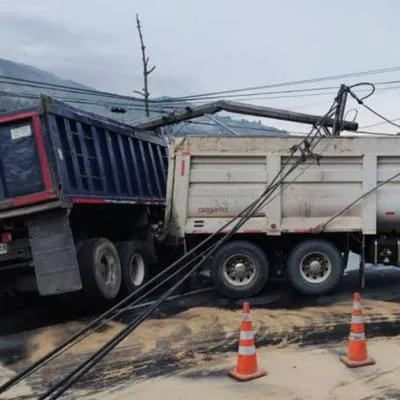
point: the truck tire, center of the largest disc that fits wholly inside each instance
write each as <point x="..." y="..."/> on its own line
<point x="100" y="269"/>
<point x="239" y="269"/>
<point x="134" y="263"/>
<point x="315" y="267"/>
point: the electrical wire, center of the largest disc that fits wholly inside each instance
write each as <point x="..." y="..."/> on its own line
<point x="71" y="89"/>
<point x="298" y="82"/>
<point x="388" y="121"/>
<point x="66" y="99"/>
<point x="165" y="103"/>
<point x="271" y="95"/>
<point x="65" y="88"/>
<point x="65" y="383"/>
<point x="380" y="123"/>
<point x="361" y="102"/>
<point x="321" y="227"/>
<point x="105" y="103"/>
<point x="108" y="104"/>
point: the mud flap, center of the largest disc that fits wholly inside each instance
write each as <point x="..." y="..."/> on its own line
<point x="54" y="254"/>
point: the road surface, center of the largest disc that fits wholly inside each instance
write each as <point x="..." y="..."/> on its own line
<point x="199" y="332"/>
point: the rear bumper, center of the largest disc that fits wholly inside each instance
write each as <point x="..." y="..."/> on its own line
<point x="51" y="204"/>
<point x="18" y="251"/>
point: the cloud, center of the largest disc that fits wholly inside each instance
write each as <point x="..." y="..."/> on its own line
<point x="203" y="46"/>
<point x="95" y="58"/>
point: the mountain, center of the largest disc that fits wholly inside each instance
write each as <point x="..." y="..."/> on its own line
<point x="22" y="94"/>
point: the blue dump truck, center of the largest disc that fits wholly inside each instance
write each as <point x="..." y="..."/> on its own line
<point x="82" y="201"/>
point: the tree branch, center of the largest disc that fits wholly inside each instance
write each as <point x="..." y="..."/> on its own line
<point x="146" y="71"/>
<point x="151" y="70"/>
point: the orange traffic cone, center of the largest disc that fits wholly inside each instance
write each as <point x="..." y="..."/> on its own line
<point x="357" y="355"/>
<point x="246" y="365"/>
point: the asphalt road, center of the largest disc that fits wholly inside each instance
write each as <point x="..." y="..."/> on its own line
<point x="191" y="329"/>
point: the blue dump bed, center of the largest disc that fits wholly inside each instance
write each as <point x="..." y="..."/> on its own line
<point x="57" y="153"/>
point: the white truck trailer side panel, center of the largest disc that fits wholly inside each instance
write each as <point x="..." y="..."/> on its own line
<point x="212" y="179"/>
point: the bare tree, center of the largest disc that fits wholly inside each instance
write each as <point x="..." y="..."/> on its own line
<point x="146" y="70"/>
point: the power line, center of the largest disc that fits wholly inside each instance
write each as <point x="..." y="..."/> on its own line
<point x="287" y="96"/>
<point x="298" y="82"/>
<point x="294" y="93"/>
<point x="43" y="85"/>
<point x="71" y="89"/>
<point x="388" y="121"/>
<point x="107" y="104"/>
<point x="252" y="94"/>
<point x="361" y="102"/>
<point x="379" y="123"/>
<point x="62" y="88"/>
<point x="104" y="103"/>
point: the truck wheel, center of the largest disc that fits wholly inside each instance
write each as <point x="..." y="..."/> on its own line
<point x="134" y="263"/>
<point x="239" y="269"/>
<point x="100" y="268"/>
<point x="315" y="267"/>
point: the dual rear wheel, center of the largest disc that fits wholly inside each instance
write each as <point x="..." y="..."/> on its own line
<point x="240" y="269"/>
<point x="108" y="270"/>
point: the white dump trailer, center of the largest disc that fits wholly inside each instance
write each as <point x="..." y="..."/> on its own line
<point x="310" y="223"/>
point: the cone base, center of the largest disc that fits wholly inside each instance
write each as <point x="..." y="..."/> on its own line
<point x="247" y="377"/>
<point x="355" y="364"/>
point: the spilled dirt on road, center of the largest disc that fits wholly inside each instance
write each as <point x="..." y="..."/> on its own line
<point x="202" y="325"/>
<point x="195" y="337"/>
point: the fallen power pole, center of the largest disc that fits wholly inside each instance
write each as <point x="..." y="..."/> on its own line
<point x="239" y="108"/>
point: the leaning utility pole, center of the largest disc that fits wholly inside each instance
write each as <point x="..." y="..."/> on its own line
<point x="146" y="70"/>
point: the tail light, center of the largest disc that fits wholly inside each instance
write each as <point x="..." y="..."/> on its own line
<point x="6" y="237"/>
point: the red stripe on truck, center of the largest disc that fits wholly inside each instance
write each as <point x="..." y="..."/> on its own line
<point x="84" y="200"/>
<point x="41" y="152"/>
<point x="91" y="200"/>
<point x="183" y="166"/>
<point x="32" y="198"/>
<point x="390" y="213"/>
<point x="15" y="117"/>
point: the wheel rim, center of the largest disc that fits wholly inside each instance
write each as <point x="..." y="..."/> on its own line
<point x="137" y="269"/>
<point x="315" y="267"/>
<point x="239" y="270"/>
<point x="108" y="269"/>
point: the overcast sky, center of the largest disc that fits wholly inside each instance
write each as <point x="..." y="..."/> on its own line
<point x="202" y="46"/>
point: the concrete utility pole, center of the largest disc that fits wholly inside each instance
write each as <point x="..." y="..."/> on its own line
<point x="188" y="113"/>
<point x="146" y="70"/>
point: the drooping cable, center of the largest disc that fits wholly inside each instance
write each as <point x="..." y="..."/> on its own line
<point x="66" y="382"/>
